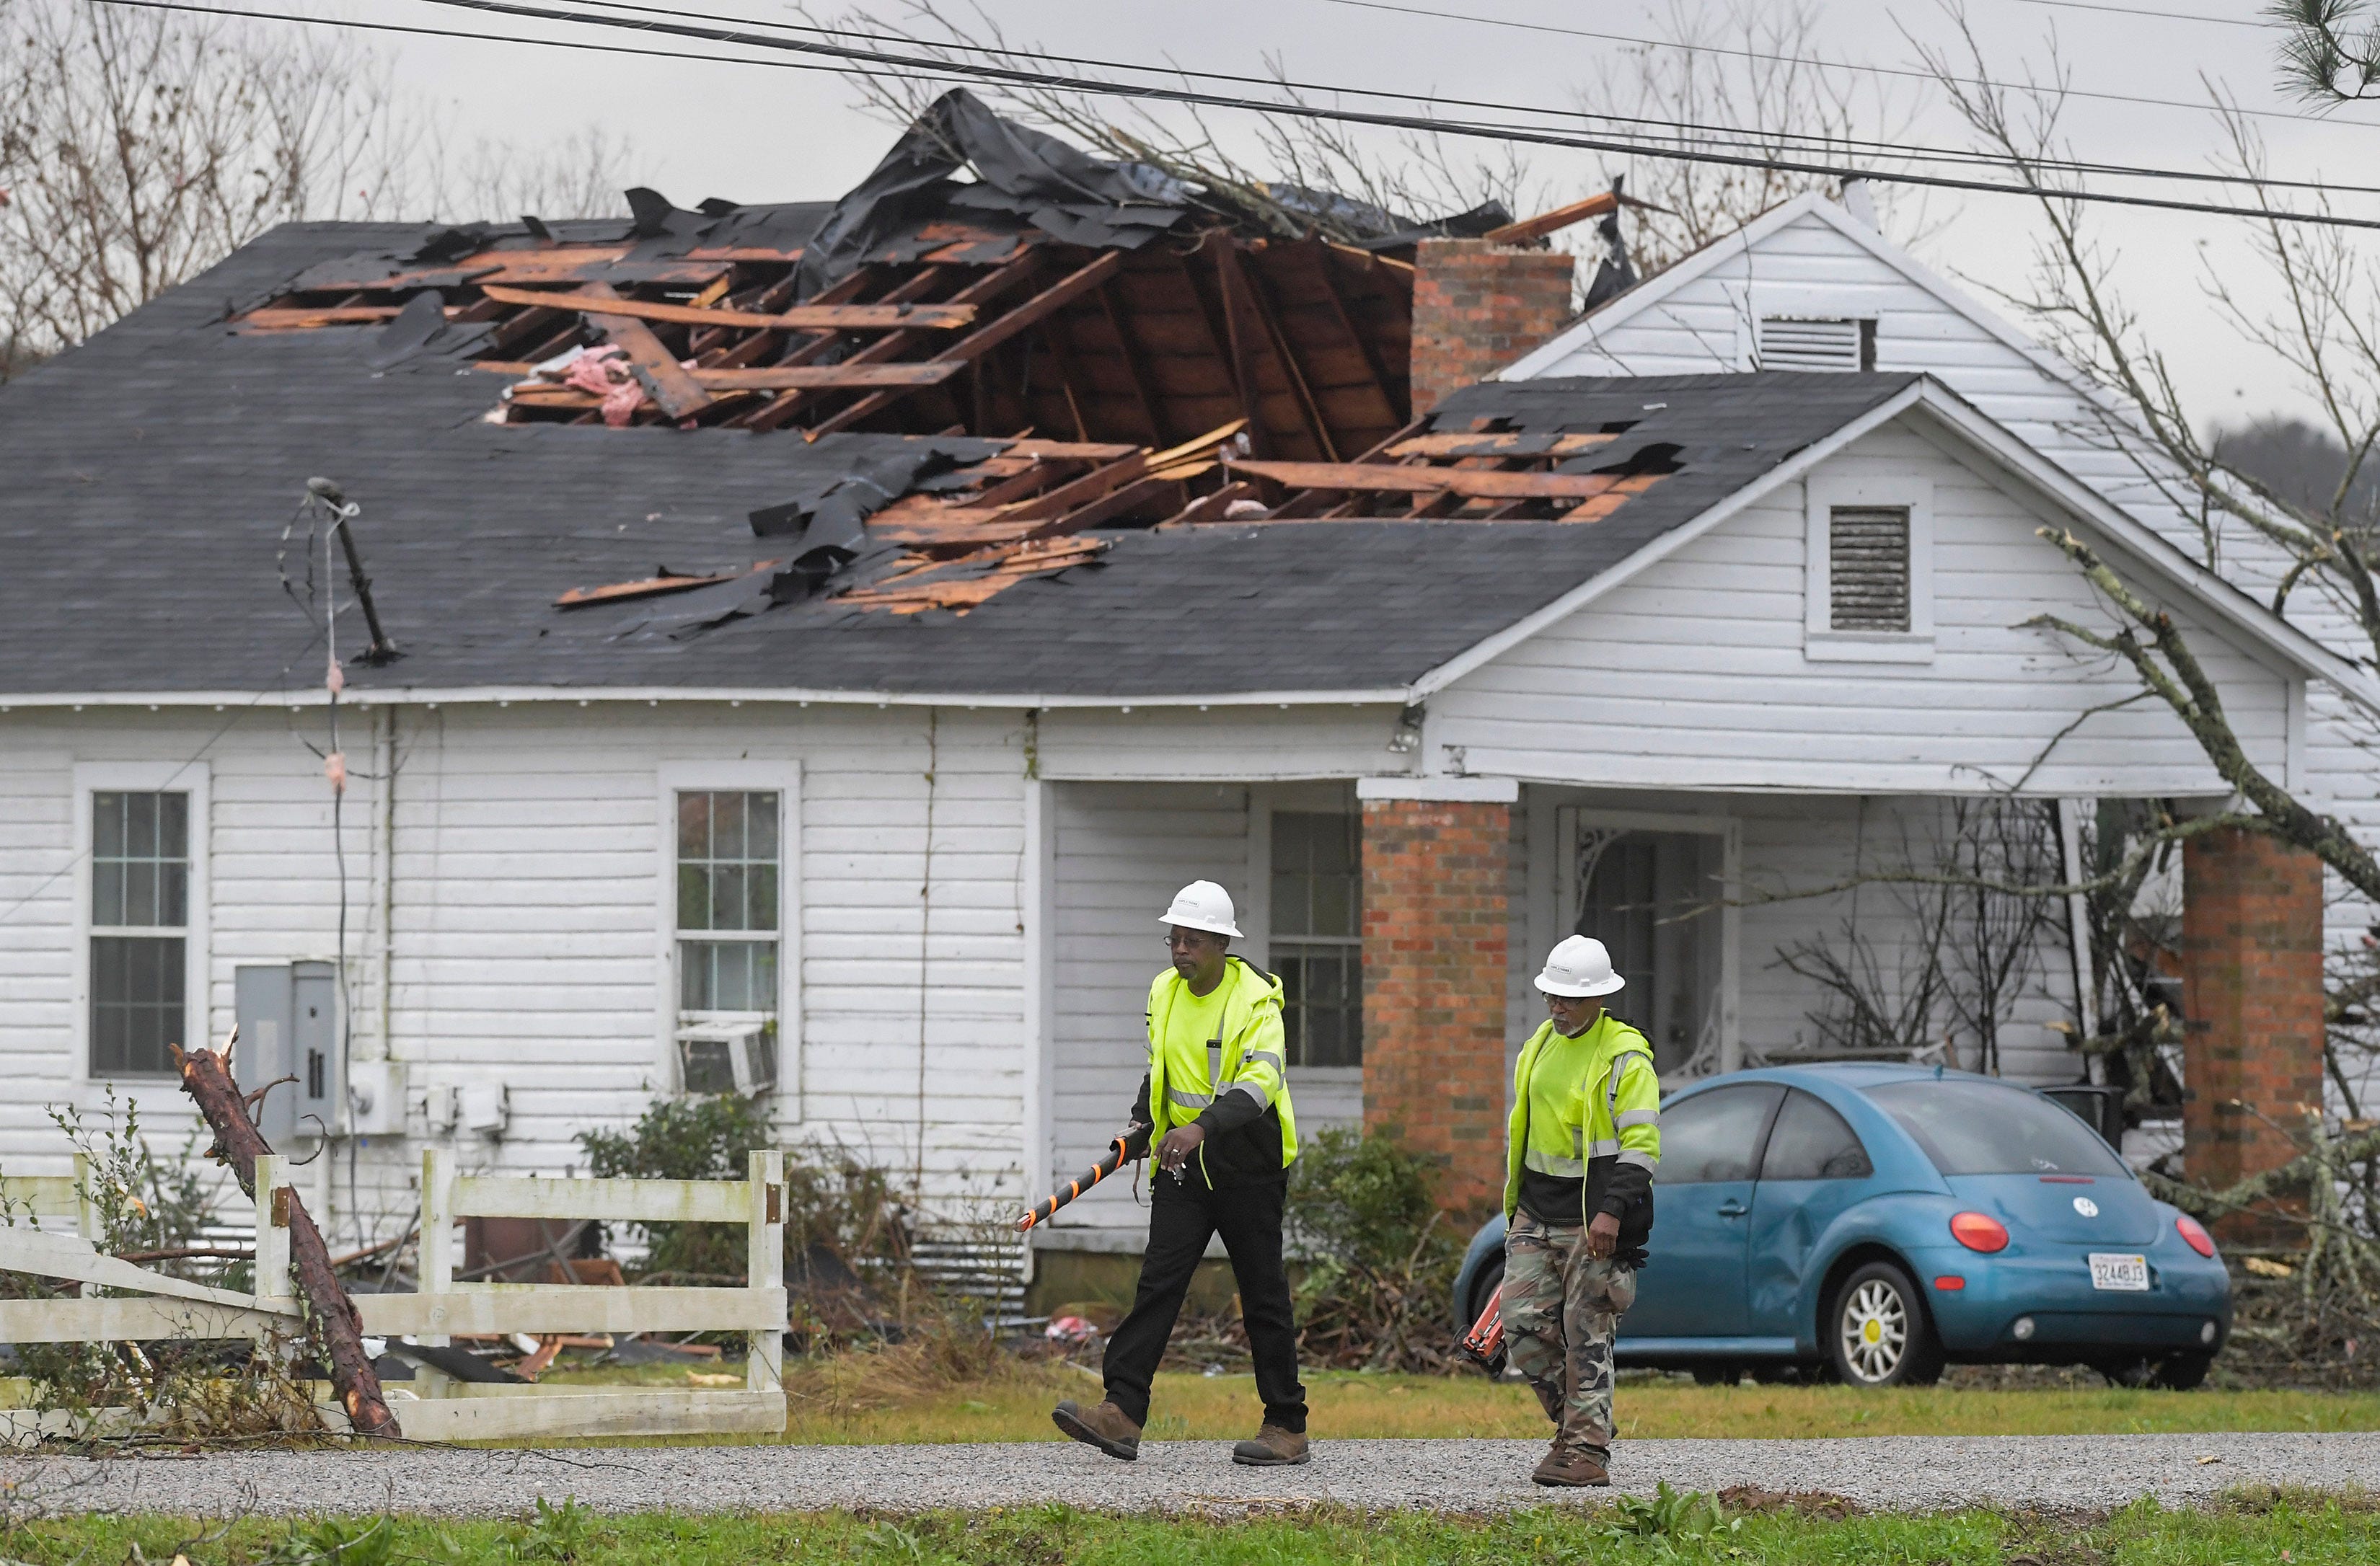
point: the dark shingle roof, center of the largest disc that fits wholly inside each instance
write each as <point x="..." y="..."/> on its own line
<point x="151" y="473"/>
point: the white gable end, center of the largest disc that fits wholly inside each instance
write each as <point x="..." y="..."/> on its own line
<point x="1714" y="667"/>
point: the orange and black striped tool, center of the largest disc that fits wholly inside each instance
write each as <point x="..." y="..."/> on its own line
<point x="1484" y="1344"/>
<point x="1076" y="1187"/>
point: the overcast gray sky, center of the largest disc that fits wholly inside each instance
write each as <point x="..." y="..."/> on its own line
<point x="753" y="133"/>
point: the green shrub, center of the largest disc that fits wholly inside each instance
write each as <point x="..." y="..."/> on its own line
<point x="700" y="1136"/>
<point x="1378" y="1257"/>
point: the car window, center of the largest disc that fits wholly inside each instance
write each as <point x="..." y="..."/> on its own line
<point x="1810" y="1141"/>
<point x="1714" y="1136"/>
<point x="1990" y="1128"/>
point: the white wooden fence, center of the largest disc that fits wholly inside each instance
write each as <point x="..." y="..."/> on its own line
<point x="437" y="1408"/>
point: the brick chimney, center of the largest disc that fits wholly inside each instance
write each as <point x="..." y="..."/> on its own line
<point x="2252" y="989"/>
<point x="1477" y="307"/>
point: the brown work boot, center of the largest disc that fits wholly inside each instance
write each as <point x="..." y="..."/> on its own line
<point x="1273" y="1448"/>
<point x="1574" y="1467"/>
<point x="1106" y="1428"/>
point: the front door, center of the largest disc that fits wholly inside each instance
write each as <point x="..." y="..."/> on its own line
<point x="1692" y="1284"/>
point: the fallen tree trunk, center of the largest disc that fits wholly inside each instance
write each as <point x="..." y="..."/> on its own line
<point x="206" y="1077"/>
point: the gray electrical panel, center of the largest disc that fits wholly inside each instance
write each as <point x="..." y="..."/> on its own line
<point x="289" y="1016"/>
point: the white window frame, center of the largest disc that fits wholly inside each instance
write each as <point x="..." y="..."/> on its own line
<point x="1570" y="818"/>
<point x="784" y="778"/>
<point x="1264" y="800"/>
<point x="1820" y="641"/>
<point x="194" y="779"/>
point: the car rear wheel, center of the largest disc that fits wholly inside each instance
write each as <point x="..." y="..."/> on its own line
<point x="2181" y="1372"/>
<point x="1876" y="1332"/>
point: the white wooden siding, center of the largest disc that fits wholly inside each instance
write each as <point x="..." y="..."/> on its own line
<point x="1693" y="675"/>
<point x="1693" y="328"/>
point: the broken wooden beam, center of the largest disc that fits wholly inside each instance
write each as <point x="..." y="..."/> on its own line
<point x="665" y="381"/>
<point x="1538" y="227"/>
<point x="300" y="318"/>
<point x="206" y="1077"/>
<point x="649" y="586"/>
<point x="1472" y="483"/>
<point x="796" y="318"/>
<point x="977" y="344"/>
<point x="1512" y="447"/>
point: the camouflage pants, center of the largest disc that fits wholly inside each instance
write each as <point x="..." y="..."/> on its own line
<point x="1561" y="1309"/>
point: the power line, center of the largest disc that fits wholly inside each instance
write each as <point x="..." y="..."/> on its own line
<point x="1823" y="65"/>
<point x="2158" y="15"/>
<point x="937" y="70"/>
<point x="1755" y="140"/>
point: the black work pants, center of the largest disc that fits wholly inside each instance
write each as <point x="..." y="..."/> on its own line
<point x="1182" y="1214"/>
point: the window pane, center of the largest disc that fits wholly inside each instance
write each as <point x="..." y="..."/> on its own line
<point x="108" y="892"/>
<point x="1334" y="905"/>
<point x="727" y="896"/>
<point x="1810" y="1141"/>
<point x="727" y="975"/>
<point x="1714" y="1135"/>
<point x="692" y="897"/>
<point x="760" y="826"/>
<point x="135" y="1004"/>
<point x="694" y="826"/>
<point x="761" y="888"/>
<point x="1289" y="905"/>
<point x="727" y="826"/>
<point x="1991" y="1128"/>
<point x="140" y="873"/>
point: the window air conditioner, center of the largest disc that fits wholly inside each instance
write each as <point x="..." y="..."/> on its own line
<point x="736" y="1057"/>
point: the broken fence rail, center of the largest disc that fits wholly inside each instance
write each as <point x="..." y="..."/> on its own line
<point x="437" y="1408"/>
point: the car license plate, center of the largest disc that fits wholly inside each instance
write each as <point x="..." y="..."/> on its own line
<point x="2127" y="1274"/>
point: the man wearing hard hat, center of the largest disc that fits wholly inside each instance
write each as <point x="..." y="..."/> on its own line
<point x="1586" y="1134"/>
<point x="1216" y="1104"/>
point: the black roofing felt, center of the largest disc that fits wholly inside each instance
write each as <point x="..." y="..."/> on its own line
<point x="149" y="476"/>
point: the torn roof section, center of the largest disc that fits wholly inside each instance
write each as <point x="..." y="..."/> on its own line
<point x="1052" y="292"/>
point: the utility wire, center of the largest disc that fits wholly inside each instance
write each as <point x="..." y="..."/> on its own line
<point x="2142" y="11"/>
<point x="1685" y="131"/>
<point x="922" y="68"/>
<point x="1819" y="63"/>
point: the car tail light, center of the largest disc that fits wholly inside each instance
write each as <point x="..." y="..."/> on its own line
<point x="2193" y="1234"/>
<point x="1979" y="1232"/>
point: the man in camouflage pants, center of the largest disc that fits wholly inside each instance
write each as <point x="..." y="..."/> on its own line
<point x="1585" y="1133"/>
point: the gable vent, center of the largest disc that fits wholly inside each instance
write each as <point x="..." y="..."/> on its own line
<point x="1867" y="567"/>
<point x="1795" y="343"/>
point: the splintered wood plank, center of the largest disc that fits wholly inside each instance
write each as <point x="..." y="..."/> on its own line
<point x="669" y="383"/>
<point x="1538" y="227"/>
<point x="1517" y="445"/>
<point x="1069" y="451"/>
<point x="983" y="290"/>
<point x="785" y="377"/>
<point x="1470" y="483"/>
<point x="649" y="586"/>
<point x="300" y="318"/>
<point x="981" y="342"/>
<point x="798" y="318"/>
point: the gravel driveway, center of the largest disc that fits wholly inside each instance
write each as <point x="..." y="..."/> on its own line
<point x="1902" y="1471"/>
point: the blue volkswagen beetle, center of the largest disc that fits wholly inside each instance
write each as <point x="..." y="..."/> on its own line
<point x="1879" y="1221"/>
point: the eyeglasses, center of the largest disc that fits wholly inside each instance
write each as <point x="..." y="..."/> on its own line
<point x="1189" y="941"/>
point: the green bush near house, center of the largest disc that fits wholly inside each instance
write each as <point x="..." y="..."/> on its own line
<point x="1378" y="1257"/>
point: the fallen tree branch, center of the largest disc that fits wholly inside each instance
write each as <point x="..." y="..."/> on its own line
<point x="2200" y="1202"/>
<point x="206" y="1077"/>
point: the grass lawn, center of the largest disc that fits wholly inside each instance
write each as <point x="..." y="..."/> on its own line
<point x="867" y="1399"/>
<point x="2302" y="1530"/>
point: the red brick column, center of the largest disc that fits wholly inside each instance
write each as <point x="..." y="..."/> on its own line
<point x="1477" y="307"/>
<point x="1436" y="901"/>
<point x="2251" y="985"/>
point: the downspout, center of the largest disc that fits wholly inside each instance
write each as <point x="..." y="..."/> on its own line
<point x="386" y="742"/>
<point x="2077" y="930"/>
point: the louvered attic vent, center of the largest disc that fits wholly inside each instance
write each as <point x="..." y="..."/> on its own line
<point x="1795" y="343"/>
<point x="1867" y="567"/>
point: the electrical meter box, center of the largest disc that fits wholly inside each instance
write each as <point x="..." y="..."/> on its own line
<point x="290" y="1028"/>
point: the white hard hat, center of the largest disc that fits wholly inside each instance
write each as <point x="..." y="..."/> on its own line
<point x="1202" y="905"/>
<point x="1578" y="967"/>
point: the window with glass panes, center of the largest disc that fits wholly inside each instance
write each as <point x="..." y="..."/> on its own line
<point x="727" y="870"/>
<point x="1318" y="941"/>
<point x="140" y="919"/>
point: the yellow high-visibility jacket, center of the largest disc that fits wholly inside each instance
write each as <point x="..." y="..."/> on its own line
<point x="1609" y="1133"/>
<point x="1251" y="1128"/>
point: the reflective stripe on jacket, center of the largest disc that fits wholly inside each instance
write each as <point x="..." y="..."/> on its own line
<point x="1251" y="1048"/>
<point x="1612" y="1119"/>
